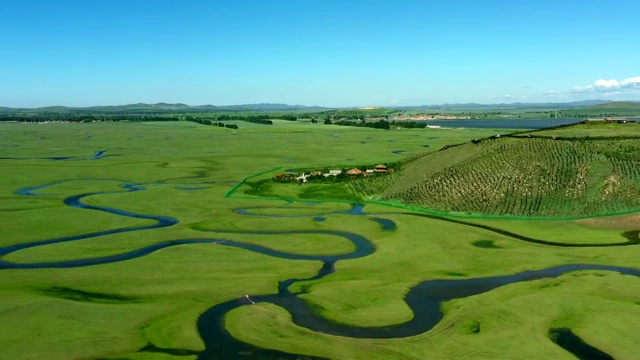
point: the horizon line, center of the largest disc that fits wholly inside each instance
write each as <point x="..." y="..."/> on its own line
<point x="320" y="106"/>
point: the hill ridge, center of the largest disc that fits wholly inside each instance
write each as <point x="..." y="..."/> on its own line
<point x="519" y="177"/>
<point x="164" y="106"/>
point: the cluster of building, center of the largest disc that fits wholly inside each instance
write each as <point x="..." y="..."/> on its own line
<point x="616" y="120"/>
<point x="354" y="172"/>
<point x="380" y="168"/>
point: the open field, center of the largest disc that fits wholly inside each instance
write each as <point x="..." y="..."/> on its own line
<point x="594" y="129"/>
<point x="147" y="257"/>
<point x="620" y="108"/>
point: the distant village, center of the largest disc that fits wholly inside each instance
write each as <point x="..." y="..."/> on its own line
<point x="332" y="174"/>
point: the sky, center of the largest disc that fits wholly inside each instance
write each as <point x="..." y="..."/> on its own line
<point x="317" y="52"/>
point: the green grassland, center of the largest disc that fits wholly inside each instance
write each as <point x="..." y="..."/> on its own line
<point x="594" y="129"/>
<point x="616" y="108"/>
<point x="619" y="105"/>
<point x="110" y="311"/>
<point x="503" y="324"/>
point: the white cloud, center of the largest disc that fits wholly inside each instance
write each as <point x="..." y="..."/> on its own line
<point x="633" y="82"/>
<point x="613" y="93"/>
<point x="610" y="86"/>
<point x="551" y="94"/>
<point x="613" y="83"/>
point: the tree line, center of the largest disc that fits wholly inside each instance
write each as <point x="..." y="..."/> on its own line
<point x="83" y="118"/>
<point x="380" y="124"/>
<point x="213" y="123"/>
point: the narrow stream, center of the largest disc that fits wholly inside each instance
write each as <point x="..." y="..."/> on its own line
<point x="569" y="341"/>
<point x="424" y="299"/>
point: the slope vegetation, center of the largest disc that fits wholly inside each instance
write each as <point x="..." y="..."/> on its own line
<point x="519" y="176"/>
<point x="618" y="105"/>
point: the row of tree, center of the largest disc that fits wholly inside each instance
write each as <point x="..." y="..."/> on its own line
<point x="259" y="119"/>
<point x="380" y="124"/>
<point x="212" y="123"/>
<point x="264" y="119"/>
<point x="83" y="118"/>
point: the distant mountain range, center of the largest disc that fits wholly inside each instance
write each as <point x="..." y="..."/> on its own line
<point x="142" y="108"/>
<point x="162" y="108"/>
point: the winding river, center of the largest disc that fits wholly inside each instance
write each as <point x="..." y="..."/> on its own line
<point x="424" y="299"/>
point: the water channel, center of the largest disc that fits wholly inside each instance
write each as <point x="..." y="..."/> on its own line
<point x="424" y="299"/>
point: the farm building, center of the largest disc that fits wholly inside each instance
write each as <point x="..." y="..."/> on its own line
<point x="333" y="173"/>
<point x="381" y="168"/>
<point x="302" y="178"/>
<point x="354" y="172"/>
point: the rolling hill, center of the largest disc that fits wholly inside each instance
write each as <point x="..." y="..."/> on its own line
<point x="519" y="177"/>
<point x="142" y="108"/>
<point x="618" y="105"/>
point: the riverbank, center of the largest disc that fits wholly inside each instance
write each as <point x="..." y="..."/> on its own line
<point x="212" y="249"/>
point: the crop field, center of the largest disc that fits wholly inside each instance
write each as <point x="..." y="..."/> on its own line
<point x="152" y="241"/>
<point x="520" y="177"/>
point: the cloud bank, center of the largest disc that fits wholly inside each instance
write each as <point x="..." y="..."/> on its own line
<point x="629" y="85"/>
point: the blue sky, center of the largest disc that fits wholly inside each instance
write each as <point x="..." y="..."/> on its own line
<point x="317" y="52"/>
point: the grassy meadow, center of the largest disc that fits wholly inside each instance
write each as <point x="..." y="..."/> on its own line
<point x="594" y="129"/>
<point x="112" y="310"/>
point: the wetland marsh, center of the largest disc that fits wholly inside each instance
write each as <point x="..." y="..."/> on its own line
<point x="142" y="243"/>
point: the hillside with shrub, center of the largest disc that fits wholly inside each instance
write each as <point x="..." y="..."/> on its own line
<point x="520" y="177"/>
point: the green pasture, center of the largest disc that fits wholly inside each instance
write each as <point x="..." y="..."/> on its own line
<point x="111" y="311"/>
<point x="594" y="129"/>
<point x="507" y="323"/>
<point x="620" y="108"/>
